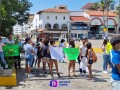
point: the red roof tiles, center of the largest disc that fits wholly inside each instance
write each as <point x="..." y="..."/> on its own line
<point x="100" y="13"/>
<point x="54" y="10"/>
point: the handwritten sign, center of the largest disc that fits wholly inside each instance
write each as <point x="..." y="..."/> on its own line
<point x="11" y="50"/>
<point x="72" y="53"/>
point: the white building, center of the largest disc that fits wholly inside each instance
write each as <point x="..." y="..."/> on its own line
<point x="17" y="29"/>
<point x="53" y="20"/>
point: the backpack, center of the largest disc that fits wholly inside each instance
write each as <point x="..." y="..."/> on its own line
<point x="94" y="56"/>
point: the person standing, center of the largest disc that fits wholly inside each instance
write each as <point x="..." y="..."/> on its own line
<point x="2" y="54"/>
<point x="28" y="56"/>
<point x="52" y="42"/>
<point x="89" y="53"/>
<point x="62" y="44"/>
<point x="115" y="59"/>
<point x="71" y="62"/>
<point x="106" y="59"/>
<point x="18" y="62"/>
<point x="82" y="57"/>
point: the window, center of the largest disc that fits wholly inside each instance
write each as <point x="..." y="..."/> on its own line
<point x="63" y="18"/>
<point x="47" y="17"/>
<point x="56" y="17"/>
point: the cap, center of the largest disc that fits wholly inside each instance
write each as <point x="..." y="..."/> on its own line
<point x="115" y="40"/>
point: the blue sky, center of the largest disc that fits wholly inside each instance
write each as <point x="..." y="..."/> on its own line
<point x="73" y="5"/>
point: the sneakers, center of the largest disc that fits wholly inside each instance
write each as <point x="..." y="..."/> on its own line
<point x="105" y="72"/>
<point x="30" y="75"/>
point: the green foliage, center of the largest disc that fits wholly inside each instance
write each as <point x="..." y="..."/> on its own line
<point x="12" y="12"/>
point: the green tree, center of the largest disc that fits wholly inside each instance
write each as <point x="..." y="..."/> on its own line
<point x="12" y="12"/>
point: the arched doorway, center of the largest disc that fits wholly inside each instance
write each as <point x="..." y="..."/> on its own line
<point x="48" y="26"/>
<point x="56" y="26"/>
<point x="64" y="27"/>
<point x="111" y="25"/>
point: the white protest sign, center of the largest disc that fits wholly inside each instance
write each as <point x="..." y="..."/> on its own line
<point x="57" y="53"/>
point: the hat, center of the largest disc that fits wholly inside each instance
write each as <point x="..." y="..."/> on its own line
<point x="27" y="39"/>
<point x="115" y="40"/>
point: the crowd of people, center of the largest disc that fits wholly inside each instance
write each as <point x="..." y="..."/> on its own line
<point x="42" y="51"/>
<point x="38" y="52"/>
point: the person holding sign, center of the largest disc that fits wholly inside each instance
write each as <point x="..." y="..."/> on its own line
<point x="2" y="54"/>
<point x="71" y="62"/>
<point x="52" y="42"/>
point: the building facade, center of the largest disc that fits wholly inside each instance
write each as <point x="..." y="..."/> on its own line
<point x="17" y="29"/>
<point x="58" y="20"/>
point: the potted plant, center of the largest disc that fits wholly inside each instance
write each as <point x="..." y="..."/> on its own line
<point x="9" y="71"/>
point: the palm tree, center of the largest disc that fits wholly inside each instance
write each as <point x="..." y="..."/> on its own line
<point x="108" y="3"/>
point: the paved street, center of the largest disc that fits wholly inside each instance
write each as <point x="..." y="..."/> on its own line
<point x="41" y="82"/>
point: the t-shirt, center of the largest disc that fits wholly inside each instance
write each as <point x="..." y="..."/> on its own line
<point x="115" y="59"/>
<point x="83" y="52"/>
<point x="28" y="47"/>
<point x="7" y="41"/>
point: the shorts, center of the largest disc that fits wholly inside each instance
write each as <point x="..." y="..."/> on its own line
<point x="90" y="61"/>
<point x="29" y="60"/>
<point x="46" y="59"/>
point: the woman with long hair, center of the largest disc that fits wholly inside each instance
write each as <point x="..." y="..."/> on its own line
<point x="89" y="53"/>
<point x="105" y="55"/>
<point x="28" y="56"/>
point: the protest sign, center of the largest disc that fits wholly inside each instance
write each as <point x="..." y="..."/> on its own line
<point x="57" y="53"/>
<point x="72" y="53"/>
<point x="11" y="50"/>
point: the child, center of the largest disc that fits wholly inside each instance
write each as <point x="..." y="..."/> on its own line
<point x="2" y="54"/>
<point x="89" y="59"/>
<point x="52" y="42"/>
<point x="115" y="59"/>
